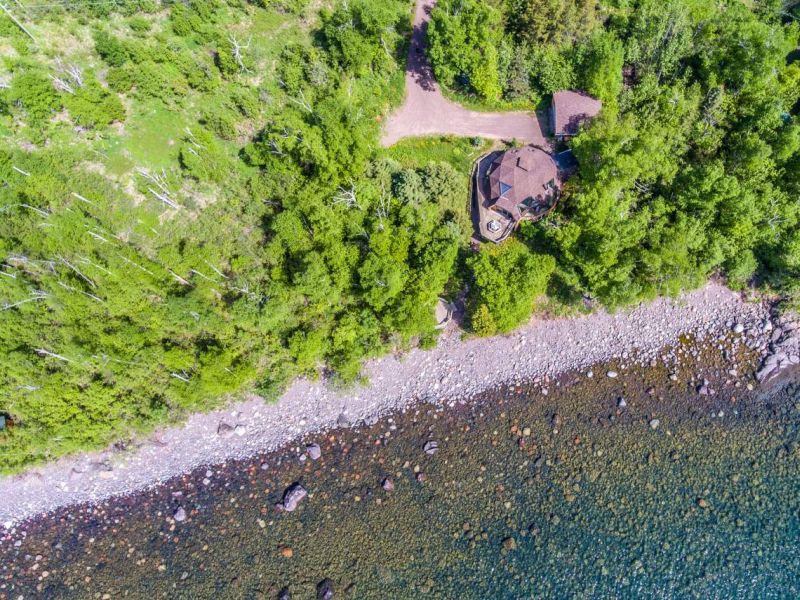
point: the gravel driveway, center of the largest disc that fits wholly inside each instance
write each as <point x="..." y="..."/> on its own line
<point x="427" y="112"/>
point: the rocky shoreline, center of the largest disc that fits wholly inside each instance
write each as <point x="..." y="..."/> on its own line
<point x="682" y="476"/>
<point x="453" y="372"/>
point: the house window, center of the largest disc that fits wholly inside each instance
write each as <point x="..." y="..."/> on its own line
<point x="504" y="187"/>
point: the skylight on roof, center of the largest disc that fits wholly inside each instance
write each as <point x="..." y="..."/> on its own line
<point x="504" y="187"/>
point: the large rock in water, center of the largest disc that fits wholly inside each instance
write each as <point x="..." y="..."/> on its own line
<point x="292" y="496"/>
<point x="325" y="590"/>
<point x="314" y="451"/>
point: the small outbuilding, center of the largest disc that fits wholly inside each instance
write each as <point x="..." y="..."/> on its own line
<point x="570" y="110"/>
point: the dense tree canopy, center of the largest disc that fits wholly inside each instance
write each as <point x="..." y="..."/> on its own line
<point x="273" y="244"/>
<point x="691" y="168"/>
<point x="464" y="35"/>
<point x="508" y="279"/>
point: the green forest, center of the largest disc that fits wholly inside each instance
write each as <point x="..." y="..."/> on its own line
<point x="195" y="202"/>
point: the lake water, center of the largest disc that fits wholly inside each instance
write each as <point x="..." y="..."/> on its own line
<point x="674" y="494"/>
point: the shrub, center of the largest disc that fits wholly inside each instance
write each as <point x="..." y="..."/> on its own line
<point x="507" y="280"/>
<point x="221" y="122"/>
<point x="110" y="49"/>
<point x="120" y="79"/>
<point x="203" y="157"/>
<point x="91" y="105"/>
<point x="482" y="322"/>
<point x="200" y="74"/>
<point x="35" y="93"/>
<point x="139" y="24"/>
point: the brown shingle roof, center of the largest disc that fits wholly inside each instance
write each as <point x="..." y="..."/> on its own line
<point x="570" y="110"/>
<point x="522" y="174"/>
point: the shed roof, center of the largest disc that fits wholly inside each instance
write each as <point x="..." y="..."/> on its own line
<point x="571" y="109"/>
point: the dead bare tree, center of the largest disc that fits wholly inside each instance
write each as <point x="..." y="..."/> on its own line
<point x="75" y="74"/>
<point x="5" y="9"/>
<point x="62" y="85"/>
<point x="82" y="198"/>
<point x="84" y="260"/>
<point x="302" y="102"/>
<point x="275" y="149"/>
<point x="97" y="236"/>
<point x="160" y="188"/>
<point x="135" y="264"/>
<point x="236" y="48"/>
<point x="77" y="291"/>
<point x="35" y="296"/>
<point x="382" y="210"/>
<point x="199" y="274"/>
<point x="178" y="278"/>
<point x="43" y="352"/>
<point x="347" y="197"/>
<point x="75" y="270"/>
<point x="68" y="78"/>
<point x="45" y="214"/>
<point x="217" y="271"/>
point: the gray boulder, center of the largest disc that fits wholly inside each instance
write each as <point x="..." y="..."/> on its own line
<point x="292" y="496"/>
<point x="314" y="451"/>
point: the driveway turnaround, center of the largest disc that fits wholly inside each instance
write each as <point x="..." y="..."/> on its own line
<point x="427" y="112"/>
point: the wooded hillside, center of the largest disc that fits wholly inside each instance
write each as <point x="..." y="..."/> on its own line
<point x="194" y="202"/>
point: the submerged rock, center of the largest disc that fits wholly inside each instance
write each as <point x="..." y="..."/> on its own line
<point x="325" y="589"/>
<point x="430" y="447"/>
<point x="314" y="451"/>
<point x="510" y="544"/>
<point x="292" y="497"/>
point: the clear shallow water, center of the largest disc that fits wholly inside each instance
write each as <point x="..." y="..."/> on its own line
<point x="598" y="503"/>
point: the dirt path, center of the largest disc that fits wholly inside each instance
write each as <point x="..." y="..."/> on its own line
<point x="427" y="112"/>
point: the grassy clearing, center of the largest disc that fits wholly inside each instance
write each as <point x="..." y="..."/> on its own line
<point x="150" y="139"/>
<point x="418" y="152"/>
<point x="474" y="102"/>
